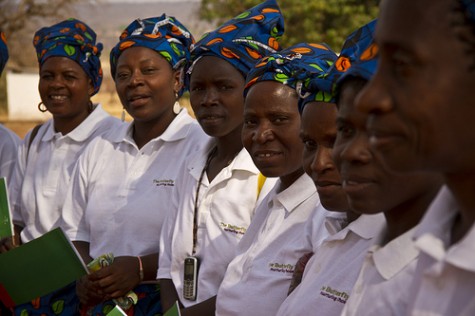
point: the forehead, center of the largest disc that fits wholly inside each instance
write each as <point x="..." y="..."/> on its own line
<point x="60" y="63"/>
<point x="271" y="97"/>
<point x="214" y="67"/>
<point x="409" y="22"/>
<point x="140" y="54"/>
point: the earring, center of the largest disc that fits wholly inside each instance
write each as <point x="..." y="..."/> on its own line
<point x="176" y="107"/>
<point x="122" y="117"/>
<point x="42" y="109"/>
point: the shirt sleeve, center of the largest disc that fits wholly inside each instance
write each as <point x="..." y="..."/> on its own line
<point x="16" y="183"/>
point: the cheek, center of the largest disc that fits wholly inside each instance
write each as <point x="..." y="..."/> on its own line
<point x="307" y="160"/>
<point x="246" y="138"/>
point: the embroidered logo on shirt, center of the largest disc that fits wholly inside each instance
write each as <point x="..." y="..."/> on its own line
<point x="164" y="182"/>
<point x="238" y="230"/>
<point x="282" y="267"/>
<point x="335" y="295"/>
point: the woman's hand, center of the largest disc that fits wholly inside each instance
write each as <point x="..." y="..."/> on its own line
<point x="88" y="292"/>
<point x="8" y="243"/>
<point x="119" y="278"/>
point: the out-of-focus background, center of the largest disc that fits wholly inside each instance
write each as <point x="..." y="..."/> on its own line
<point x="327" y="21"/>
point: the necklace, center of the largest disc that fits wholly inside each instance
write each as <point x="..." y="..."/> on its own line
<point x="211" y="155"/>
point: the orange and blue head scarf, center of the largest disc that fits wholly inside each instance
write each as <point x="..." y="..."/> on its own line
<point x="295" y="67"/>
<point x="3" y="51"/>
<point x="245" y="39"/>
<point x="72" y="39"/>
<point x="164" y="34"/>
<point x="358" y="57"/>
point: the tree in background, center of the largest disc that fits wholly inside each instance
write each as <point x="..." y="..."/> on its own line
<point x="329" y="21"/>
<point x="18" y="19"/>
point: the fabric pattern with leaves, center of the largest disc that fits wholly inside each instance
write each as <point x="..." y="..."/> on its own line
<point x="72" y="39"/>
<point x="3" y="51"/>
<point x="245" y="39"/>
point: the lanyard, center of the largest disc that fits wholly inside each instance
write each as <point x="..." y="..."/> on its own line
<point x="195" y="211"/>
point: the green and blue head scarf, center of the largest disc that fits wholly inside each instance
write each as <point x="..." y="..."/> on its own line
<point x="358" y="57"/>
<point x="301" y="67"/>
<point x="3" y="51"/>
<point x="164" y="34"/>
<point x="245" y="39"/>
<point x="72" y="39"/>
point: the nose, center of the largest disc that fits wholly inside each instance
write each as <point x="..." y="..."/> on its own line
<point x="322" y="161"/>
<point x="136" y="79"/>
<point x="263" y="134"/>
<point x="357" y="150"/>
<point x="209" y="97"/>
<point x="374" y="97"/>
<point x="57" y="82"/>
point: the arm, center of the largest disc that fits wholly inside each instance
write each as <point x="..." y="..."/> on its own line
<point x="168" y="294"/>
<point x="123" y="275"/>
<point x="204" y="308"/>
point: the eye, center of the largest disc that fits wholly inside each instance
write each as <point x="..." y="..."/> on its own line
<point x="345" y="130"/>
<point x="280" y="120"/>
<point x="249" y="122"/>
<point x="149" y="70"/>
<point x="122" y="75"/>
<point x="195" y="88"/>
<point x="309" y="144"/>
<point x="46" y="76"/>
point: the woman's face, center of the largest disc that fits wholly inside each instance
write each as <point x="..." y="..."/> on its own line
<point x="64" y="88"/>
<point x="271" y="130"/>
<point x="318" y="133"/>
<point x="420" y="101"/>
<point x="370" y="185"/>
<point x="216" y="96"/>
<point x="146" y="84"/>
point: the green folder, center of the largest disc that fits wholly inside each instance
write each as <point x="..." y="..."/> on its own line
<point x="6" y="226"/>
<point x="39" y="267"/>
<point x="174" y="310"/>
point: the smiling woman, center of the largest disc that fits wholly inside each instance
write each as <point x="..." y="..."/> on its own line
<point x="70" y="74"/>
<point x="119" y="207"/>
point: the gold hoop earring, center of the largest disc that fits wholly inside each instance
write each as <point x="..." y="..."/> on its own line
<point x="43" y="110"/>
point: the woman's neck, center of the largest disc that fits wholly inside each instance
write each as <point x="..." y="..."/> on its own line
<point x="145" y="131"/>
<point x="68" y="124"/>
<point x="227" y="148"/>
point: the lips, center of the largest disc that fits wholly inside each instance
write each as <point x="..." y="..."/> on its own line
<point x="265" y="157"/>
<point x="137" y="99"/>
<point x="327" y="187"/>
<point x="355" y="184"/>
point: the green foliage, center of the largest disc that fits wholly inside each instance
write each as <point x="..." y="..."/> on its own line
<point x="328" y="21"/>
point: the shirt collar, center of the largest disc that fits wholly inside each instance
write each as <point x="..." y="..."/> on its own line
<point x="177" y="130"/>
<point x="302" y="189"/>
<point x="395" y="255"/>
<point x="84" y="130"/>
<point x="433" y="235"/>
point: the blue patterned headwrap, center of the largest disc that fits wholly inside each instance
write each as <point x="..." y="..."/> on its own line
<point x="164" y="34"/>
<point x="3" y="51"/>
<point x="295" y="67"/>
<point x="72" y="39"/>
<point x="358" y="58"/>
<point x="245" y="39"/>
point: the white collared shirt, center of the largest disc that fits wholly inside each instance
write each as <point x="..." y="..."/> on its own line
<point x="258" y="279"/>
<point x="331" y="272"/>
<point x="9" y="143"/>
<point x="444" y="282"/>
<point x="225" y="208"/>
<point x="383" y="282"/>
<point x="120" y="194"/>
<point x="43" y="172"/>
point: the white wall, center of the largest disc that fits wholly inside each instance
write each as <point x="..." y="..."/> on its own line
<point x="23" y="97"/>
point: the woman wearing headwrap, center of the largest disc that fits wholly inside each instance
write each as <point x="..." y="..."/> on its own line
<point x="70" y="74"/>
<point x="9" y="141"/>
<point x="388" y="264"/>
<point x="218" y="188"/>
<point x="257" y="280"/>
<point x="421" y="106"/>
<point x="123" y="183"/>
